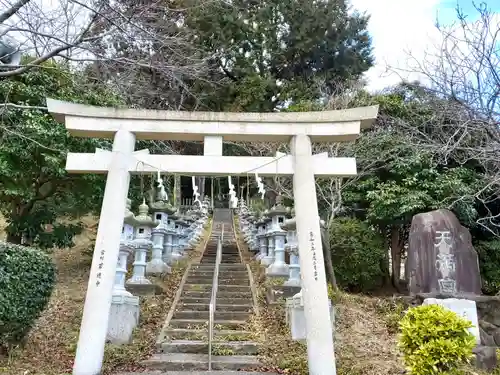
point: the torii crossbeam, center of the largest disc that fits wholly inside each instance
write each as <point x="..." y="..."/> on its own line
<point x="210" y="165"/>
<point x="127" y="125"/>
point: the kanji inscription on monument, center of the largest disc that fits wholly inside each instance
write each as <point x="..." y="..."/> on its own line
<point x="445" y="262"/>
<point x="441" y="258"/>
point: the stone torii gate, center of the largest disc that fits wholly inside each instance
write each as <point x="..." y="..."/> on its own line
<point x="125" y="126"/>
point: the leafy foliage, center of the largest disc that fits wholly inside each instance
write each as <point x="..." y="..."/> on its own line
<point x="489" y="262"/>
<point x="35" y="189"/>
<point x="435" y="340"/>
<point x="273" y="51"/>
<point x="357" y="251"/>
<point x="260" y="54"/>
<point x="27" y="277"/>
<point x="406" y="178"/>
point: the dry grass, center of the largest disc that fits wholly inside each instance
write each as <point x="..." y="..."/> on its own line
<point x="365" y="342"/>
<point x="51" y="345"/>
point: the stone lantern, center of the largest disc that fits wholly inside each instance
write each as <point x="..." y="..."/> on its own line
<point x="173" y="231"/>
<point x="124" y="311"/>
<point x="142" y="243"/>
<point x="161" y="209"/>
<point x="269" y="245"/>
<point x="278" y="268"/>
<point x="183" y="233"/>
<point x="126" y="247"/>
<point x="253" y="243"/>
<point x="290" y="226"/>
<point x="261" y="238"/>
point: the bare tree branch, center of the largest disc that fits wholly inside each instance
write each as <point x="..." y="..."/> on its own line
<point x="12" y="10"/>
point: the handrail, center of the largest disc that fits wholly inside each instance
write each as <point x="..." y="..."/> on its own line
<point x="213" y="298"/>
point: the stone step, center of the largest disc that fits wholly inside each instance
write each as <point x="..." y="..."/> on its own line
<point x="190" y="362"/>
<point x="228" y="372"/>
<point x="223" y="266"/>
<point x="218" y="347"/>
<point x="213" y="253"/>
<point x="207" y="293"/>
<point x="222" y="273"/>
<point x="202" y="334"/>
<point x="221" y="288"/>
<point x="225" y="258"/>
<point x="219" y="307"/>
<point x="203" y="324"/>
<point x="241" y="281"/>
<point x="219" y="315"/>
<point x="222" y="301"/>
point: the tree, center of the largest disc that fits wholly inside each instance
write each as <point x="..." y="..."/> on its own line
<point x="464" y="71"/>
<point x="410" y="178"/>
<point x="35" y="189"/>
<point x="91" y="35"/>
<point x="261" y="54"/>
<point x="465" y="65"/>
<point x="274" y="51"/>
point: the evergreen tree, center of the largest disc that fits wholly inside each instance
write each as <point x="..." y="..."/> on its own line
<point x="259" y="54"/>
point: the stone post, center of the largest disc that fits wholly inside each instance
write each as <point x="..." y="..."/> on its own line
<point x="93" y="330"/>
<point x="320" y="349"/>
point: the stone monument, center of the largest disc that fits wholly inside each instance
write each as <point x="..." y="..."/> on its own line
<point x="441" y="258"/>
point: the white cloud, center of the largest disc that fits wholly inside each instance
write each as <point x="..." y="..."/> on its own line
<point x="398" y="27"/>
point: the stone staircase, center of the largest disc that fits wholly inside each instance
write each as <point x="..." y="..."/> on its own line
<point x="183" y="345"/>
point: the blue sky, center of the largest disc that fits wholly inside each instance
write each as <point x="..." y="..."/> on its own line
<point x="446" y="9"/>
<point x="403" y="27"/>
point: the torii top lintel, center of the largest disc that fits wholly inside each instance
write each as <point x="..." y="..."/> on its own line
<point x="322" y="126"/>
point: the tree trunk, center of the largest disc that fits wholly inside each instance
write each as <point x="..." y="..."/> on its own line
<point x="201" y="187"/>
<point x="327" y="254"/>
<point x="384" y="262"/>
<point x="177" y="191"/>
<point x="396" y="248"/>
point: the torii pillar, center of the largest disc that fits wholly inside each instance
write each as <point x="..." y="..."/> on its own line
<point x="125" y="125"/>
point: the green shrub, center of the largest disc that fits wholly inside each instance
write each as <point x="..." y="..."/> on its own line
<point x="435" y="340"/>
<point x="489" y="265"/>
<point x="27" y="277"/>
<point x="357" y="253"/>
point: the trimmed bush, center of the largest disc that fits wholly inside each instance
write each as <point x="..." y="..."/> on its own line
<point x="27" y="278"/>
<point x="357" y="253"/>
<point x="435" y="340"/>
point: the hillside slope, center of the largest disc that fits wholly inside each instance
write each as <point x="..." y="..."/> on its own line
<point x="51" y="345"/>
